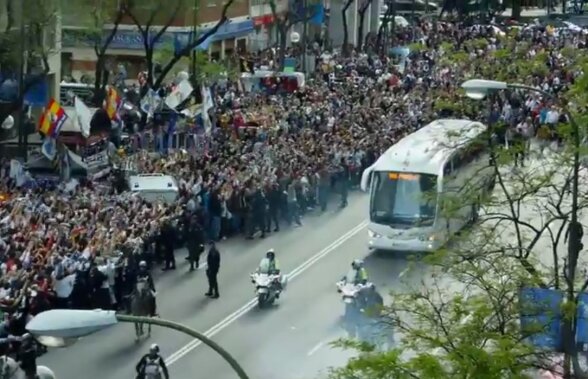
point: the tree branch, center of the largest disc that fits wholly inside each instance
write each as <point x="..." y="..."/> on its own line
<point x="191" y="46"/>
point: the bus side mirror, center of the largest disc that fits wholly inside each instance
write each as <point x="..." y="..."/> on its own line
<point x="366" y="179"/>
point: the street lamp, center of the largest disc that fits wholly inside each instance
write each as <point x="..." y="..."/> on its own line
<point x="62" y="327"/>
<point x="478" y="89"/>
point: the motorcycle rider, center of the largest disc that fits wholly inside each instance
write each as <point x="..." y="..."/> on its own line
<point x="152" y="365"/>
<point x="144" y="275"/>
<point x="359" y="274"/>
<point x="274" y="269"/>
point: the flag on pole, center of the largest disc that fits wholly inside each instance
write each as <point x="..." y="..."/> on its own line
<point x="113" y="103"/>
<point x="52" y="119"/>
<point x="83" y="116"/>
<point x="49" y="148"/>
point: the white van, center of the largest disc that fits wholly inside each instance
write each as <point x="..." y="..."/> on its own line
<point x="154" y="187"/>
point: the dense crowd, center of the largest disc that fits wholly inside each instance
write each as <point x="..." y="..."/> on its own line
<point x="78" y="246"/>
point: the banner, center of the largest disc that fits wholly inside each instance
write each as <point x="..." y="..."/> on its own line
<point x="96" y="161"/>
<point x="541" y="317"/>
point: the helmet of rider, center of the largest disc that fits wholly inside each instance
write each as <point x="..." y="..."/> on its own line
<point x="271" y="254"/>
<point x="142" y="264"/>
<point x="154" y="349"/>
<point x="357" y="264"/>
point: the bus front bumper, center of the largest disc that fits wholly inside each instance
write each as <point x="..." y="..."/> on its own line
<point x="378" y="242"/>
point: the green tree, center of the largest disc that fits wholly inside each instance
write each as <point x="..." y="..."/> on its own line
<point x="295" y="13"/>
<point x="463" y="323"/>
<point x="206" y="70"/>
<point x="153" y="18"/>
<point x="27" y="42"/>
<point x="97" y="23"/>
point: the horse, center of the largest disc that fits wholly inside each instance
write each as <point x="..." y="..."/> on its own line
<point x="142" y="305"/>
<point x="10" y="369"/>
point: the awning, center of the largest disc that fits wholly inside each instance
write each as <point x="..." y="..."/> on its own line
<point x="230" y="29"/>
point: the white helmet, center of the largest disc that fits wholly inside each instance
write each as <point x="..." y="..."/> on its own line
<point x="142" y="264"/>
<point x="357" y="264"/>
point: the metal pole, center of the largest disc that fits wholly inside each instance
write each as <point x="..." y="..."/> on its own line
<point x="192" y="39"/>
<point x="304" y="35"/>
<point x="413" y="15"/>
<point x="192" y="333"/>
<point x="22" y="133"/>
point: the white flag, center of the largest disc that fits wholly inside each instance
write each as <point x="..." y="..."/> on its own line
<point x="83" y="116"/>
<point x="207" y="103"/>
<point x="179" y="94"/>
<point x="49" y="148"/>
<point x="150" y="103"/>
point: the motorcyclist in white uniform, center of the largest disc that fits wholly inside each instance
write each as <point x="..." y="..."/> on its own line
<point x="272" y="267"/>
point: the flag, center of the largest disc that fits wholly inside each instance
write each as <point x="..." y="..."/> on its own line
<point x="64" y="166"/>
<point x="83" y="116"/>
<point x="52" y="119"/>
<point x="179" y="94"/>
<point x="246" y="65"/>
<point x="207" y="103"/>
<point x="171" y="130"/>
<point x="113" y="103"/>
<point x="150" y="103"/>
<point x="49" y="148"/>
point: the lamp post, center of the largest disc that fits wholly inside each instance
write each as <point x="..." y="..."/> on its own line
<point x="478" y="89"/>
<point x="62" y="327"/>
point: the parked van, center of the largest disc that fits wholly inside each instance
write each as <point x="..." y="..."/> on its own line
<point x="154" y="187"/>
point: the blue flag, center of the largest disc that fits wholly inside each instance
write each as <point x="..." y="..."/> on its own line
<point x="171" y="130"/>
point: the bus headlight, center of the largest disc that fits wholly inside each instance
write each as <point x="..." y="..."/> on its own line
<point x="429" y="238"/>
<point x="373" y="234"/>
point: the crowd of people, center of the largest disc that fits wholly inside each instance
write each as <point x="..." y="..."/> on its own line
<point x="79" y="245"/>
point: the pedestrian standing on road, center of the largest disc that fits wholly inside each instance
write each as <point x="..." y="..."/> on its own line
<point x="195" y="243"/>
<point x="213" y="262"/>
<point x="169" y="238"/>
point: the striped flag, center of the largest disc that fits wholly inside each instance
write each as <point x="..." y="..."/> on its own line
<point x="52" y="119"/>
<point x="113" y="103"/>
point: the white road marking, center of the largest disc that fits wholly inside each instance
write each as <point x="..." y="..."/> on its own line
<point x="253" y="302"/>
<point x="316" y="348"/>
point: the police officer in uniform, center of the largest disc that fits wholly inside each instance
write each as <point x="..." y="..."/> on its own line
<point x="213" y="261"/>
<point x="152" y="365"/>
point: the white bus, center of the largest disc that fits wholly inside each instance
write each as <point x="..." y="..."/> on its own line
<point x="427" y="186"/>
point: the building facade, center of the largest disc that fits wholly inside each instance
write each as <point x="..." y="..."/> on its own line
<point x="79" y="58"/>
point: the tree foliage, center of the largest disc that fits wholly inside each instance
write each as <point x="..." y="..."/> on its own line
<point x="144" y="15"/>
<point x="463" y="320"/>
<point x="28" y="41"/>
<point x="296" y="12"/>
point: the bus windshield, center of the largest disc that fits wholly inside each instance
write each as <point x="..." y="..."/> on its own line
<point x="403" y="199"/>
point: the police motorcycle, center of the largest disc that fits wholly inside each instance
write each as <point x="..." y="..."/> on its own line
<point x="350" y="295"/>
<point x="268" y="285"/>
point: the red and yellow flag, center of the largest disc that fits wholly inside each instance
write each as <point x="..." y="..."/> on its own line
<point x="113" y="103"/>
<point x="52" y="119"/>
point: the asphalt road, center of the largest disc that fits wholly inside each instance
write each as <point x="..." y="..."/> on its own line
<point x="292" y="340"/>
<point x="288" y="341"/>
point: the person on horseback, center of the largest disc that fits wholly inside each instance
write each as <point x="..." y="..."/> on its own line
<point x="152" y="365"/>
<point x="144" y="275"/>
